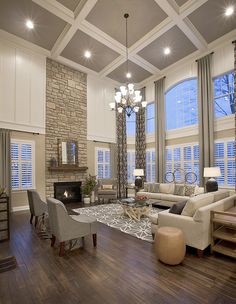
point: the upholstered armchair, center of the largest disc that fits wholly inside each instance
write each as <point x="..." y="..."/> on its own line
<point x="107" y="189"/>
<point x="36" y="205"/>
<point x="65" y="227"/>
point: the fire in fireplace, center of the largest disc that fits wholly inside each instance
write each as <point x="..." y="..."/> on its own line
<point x="68" y="192"/>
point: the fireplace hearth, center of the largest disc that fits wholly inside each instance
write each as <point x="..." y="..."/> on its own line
<point x="68" y="192"/>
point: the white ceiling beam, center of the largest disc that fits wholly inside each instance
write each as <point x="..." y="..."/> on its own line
<point x="102" y="37"/>
<point x="196" y="39"/>
<point x="57" y="9"/>
<point x="144" y="64"/>
<point x="112" y="66"/>
<point x="62" y="41"/>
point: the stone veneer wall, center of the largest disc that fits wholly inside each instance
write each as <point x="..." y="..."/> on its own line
<point x="66" y="118"/>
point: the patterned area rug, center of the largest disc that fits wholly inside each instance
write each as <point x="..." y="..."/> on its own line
<point x="112" y="215"/>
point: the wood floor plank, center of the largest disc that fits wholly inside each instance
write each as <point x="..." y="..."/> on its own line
<point x="122" y="269"/>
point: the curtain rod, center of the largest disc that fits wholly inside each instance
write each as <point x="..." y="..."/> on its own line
<point x="234" y="41"/>
<point x="26" y="132"/>
<point x="204" y="56"/>
<point x="160" y="78"/>
<point x="104" y="142"/>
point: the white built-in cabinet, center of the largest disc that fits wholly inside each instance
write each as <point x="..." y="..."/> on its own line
<point x="22" y="89"/>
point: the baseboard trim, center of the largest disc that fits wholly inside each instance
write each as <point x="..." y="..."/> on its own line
<point x="21" y="208"/>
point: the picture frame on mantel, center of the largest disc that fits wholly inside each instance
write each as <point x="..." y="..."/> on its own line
<point x="68" y="153"/>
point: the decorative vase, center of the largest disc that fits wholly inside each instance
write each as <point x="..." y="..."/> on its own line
<point x="92" y="198"/>
<point x="86" y="200"/>
<point x="53" y="162"/>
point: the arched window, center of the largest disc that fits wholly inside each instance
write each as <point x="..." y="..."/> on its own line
<point x="181" y="105"/>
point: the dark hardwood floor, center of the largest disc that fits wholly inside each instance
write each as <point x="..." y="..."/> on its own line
<point x="122" y="269"/>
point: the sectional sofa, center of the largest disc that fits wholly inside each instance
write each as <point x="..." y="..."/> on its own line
<point x="194" y="219"/>
<point x="169" y="194"/>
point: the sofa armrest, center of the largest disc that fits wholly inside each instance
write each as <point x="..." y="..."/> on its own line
<point x="165" y="219"/>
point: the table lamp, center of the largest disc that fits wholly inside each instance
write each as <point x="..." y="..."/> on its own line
<point x="211" y="172"/>
<point x="138" y="173"/>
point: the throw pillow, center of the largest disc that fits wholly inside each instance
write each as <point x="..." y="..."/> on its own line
<point x="167" y="188"/>
<point x="146" y="187"/>
<point x="194" y="203"/>
<point x="107" y="187"/>
<point x="155" y="188"/>
<point x="177" y="208"/>
<point x="189" y="190"/>
<point x="179" y="189"/>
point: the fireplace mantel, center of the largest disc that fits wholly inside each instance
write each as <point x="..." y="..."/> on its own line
<point x="67" y="168"/>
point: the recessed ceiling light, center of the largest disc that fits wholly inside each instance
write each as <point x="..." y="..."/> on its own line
<point x="87" y="54"/>
<point x="167" y="51"/>
<point x="229" y="11"/>
<point x="128" y="75"/>
<point x="29" y="24"/>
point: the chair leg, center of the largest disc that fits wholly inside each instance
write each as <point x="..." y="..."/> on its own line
<point x="31" y="218"/>
<point x="83" y="242"/>
<point x="200" y="253"/>
<point x="36" y="221"/>
<point x="62" y="249"/>
<point x="53" y="240"/>
<point x="95" y="240"/>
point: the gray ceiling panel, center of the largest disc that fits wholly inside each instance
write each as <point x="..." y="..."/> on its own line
<point x="108" y="16"/>
<point x="14" y="13"/>
<point x="179" y="44"/>
<point x="101" y="55"/>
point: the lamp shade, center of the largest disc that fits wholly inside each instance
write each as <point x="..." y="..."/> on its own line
<point x="138" y="172"/>
<point x="212" y="172"/>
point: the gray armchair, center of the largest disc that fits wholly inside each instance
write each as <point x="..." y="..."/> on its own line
<point x="107" y="194"/>
<point x="36" y="205"/>
<point x="65" y="227"/>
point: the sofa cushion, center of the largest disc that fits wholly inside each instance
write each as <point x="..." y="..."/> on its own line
<point x="146" y="187"/>
<point x="220" y="194"/>
<point x="107" y="192"/>
<point x="107" y="187"/>
<point x="194" y="203"/>
<point x="167" y="188"/>
<point x="189" y="190"/>
<point x="179" y="189"/>
<point x="177" y="208"/>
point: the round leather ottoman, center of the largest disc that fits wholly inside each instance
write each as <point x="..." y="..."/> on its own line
<point x="170" y="245"/>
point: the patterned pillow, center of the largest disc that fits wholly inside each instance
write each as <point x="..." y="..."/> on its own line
<point x="189" y="190"/>
<point x="155" y="188"/>
<point x="146" y="187"/>
<point x="179" y="190"/>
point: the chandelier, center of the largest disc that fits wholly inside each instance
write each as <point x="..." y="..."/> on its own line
<point x="127" y="99"/>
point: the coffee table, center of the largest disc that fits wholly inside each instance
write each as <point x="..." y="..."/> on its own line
<point x="135" y="209"/>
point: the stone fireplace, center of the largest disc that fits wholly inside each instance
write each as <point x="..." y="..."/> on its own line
<point x="68" y="192"/>
<point x="66" y="118"/>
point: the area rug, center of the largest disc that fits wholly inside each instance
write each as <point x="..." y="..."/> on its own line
<point x="112" y="216"/>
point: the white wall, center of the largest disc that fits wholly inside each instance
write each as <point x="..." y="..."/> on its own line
<point x="22" y="88"/>
<point x="101" y="120"/>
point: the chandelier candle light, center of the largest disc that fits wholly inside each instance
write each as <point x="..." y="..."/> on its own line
<point x="128" y="99"/>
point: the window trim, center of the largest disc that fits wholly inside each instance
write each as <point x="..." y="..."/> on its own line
<point x="32" y="143"/>
<point x="151" y="163"/>
<point x="104" y="149"/>
<point x="224" y="140"/>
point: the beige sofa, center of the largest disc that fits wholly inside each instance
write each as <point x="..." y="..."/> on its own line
<point x="196" y="228"/>
<point x="169" y="194"/>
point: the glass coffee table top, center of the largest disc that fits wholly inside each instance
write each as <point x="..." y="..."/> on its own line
<point x="131" y="202"/>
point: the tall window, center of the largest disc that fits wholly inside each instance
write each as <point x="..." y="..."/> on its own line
<point x="225" y="159"/>
<point x="224" y="95"/>
<point x="184" y="157"/>
<point x="22" y="165"/>
<point x="130" y="165"/>
<point x="130" y="125"/>
<point x="103" y="167"/>
<point x="181" y="105"/>
<point x="150" y="165"/>
<point x="150" y="118"/>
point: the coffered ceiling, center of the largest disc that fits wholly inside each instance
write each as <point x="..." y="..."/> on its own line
<point x="69" y="28"/>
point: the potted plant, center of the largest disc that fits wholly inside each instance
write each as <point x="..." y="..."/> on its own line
<point x="88" y="187"/>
